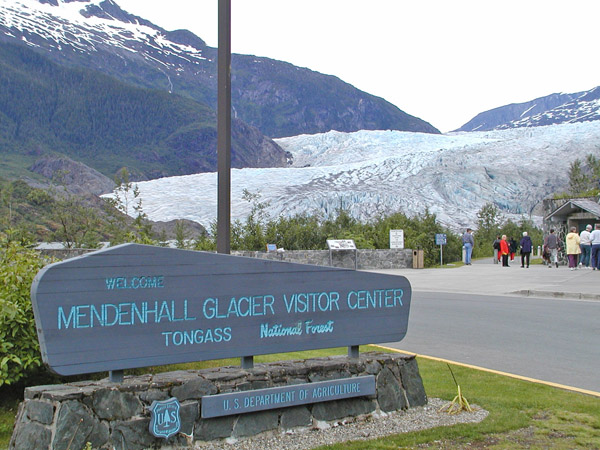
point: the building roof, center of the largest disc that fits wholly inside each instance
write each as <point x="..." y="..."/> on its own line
<point x="575" y="205"/>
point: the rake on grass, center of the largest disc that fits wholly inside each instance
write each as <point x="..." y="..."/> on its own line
<point x="459" y="403"/>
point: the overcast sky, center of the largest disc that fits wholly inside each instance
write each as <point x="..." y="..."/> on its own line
<point x="443" y="61"/>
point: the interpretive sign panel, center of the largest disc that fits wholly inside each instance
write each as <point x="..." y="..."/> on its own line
<point x="396" y="238"/>
<point x="136" y="305"/>
<point x="341" y="244"/>
<point x="284" y="396"/>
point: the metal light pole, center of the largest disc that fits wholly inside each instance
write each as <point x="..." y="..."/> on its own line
<point x="224" y="129"/>
<point x="224" y="140"/>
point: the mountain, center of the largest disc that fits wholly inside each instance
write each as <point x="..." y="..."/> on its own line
<point x="372" y="173"/>
<point x="84" y="115"/>
<point x="276" y="97"/>
<point x="550" y="110"/>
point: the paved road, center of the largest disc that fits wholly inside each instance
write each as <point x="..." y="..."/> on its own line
<point x="540" y="322"/>
<point x="554" y="340"/>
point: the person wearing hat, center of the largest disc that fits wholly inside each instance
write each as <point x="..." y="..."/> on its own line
<point x="586" y="247"/>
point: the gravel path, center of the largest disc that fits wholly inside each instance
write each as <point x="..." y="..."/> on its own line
<point x="368" y="427"/>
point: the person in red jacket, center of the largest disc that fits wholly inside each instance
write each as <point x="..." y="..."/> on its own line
<point x="504" y="251"/>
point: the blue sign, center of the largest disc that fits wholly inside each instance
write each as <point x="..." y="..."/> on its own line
<point x="440" y="239"/>
<point x="164" y="418"/>
<point x="138" y="306"/>
<point x="285" y="396"/>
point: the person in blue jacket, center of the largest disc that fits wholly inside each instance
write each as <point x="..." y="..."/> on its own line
<point x="526" y="247"/>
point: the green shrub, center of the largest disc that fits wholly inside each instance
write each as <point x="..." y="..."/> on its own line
<point x="19" y="348"/>
<point x="310" y="232"/>
<point x="39" y="197"/>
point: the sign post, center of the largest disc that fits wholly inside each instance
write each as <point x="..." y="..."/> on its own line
<point x="224" y="129"/>
<point x="440" y="239"/>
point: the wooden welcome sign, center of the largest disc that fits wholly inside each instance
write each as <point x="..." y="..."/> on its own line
<point x="136" y="306"/>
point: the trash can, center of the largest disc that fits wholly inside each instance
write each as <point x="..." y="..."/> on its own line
<point x="418" y="259"/>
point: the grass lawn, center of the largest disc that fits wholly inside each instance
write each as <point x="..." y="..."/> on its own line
<point x="7" y="419"/>
<point x="522" y="414"/>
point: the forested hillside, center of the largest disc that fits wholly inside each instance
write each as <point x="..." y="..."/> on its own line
<point x="278" y="98"/>
<point x="107" y="124"/>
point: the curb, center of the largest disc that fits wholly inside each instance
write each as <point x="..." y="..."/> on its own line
<point x="550" y="294"/>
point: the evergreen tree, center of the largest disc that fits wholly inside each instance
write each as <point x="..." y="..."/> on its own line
<point x="489" y="222"/>
<point x="578" y="181"/>
<point x="584" y="177"/>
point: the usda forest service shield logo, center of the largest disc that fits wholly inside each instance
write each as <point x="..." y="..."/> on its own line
<point x="164" y="418"/>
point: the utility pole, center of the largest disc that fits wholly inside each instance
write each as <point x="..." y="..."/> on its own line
<point x="224" y="129"/>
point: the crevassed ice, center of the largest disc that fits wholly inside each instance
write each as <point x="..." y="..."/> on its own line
<point x="373" y="173"/>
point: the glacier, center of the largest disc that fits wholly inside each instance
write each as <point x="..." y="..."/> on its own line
<point x="377" y="173"/>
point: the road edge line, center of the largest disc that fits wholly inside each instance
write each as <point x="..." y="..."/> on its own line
<point x="496" y="372"/>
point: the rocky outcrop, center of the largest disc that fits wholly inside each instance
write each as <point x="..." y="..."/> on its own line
<point x="74" y="176"/>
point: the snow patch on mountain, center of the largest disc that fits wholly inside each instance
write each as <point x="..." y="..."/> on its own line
<point x="373" y="173"/>
<point x="585" y="108"/>
<point x="552" y="109"/>
<point x="85" y="26"/>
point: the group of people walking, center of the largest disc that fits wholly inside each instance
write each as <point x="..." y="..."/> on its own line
<point x="583" y="249"/>
<point x="505" y="248"/>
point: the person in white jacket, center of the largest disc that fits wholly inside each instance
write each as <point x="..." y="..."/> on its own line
<point x="586" y="247"/>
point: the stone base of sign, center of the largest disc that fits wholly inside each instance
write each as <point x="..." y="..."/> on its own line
<point x="116" y="415"/>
